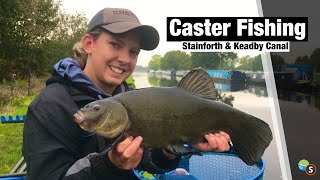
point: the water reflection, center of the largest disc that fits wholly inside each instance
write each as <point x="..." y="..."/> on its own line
<point x="162" y="80"/>
<point x="233" y="87"/>
<point x="299" y="97"/>
<point x="260" y="91"/>
<point x="159" y="80"/>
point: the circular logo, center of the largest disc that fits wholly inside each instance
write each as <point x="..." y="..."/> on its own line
<point x="311" y="170"/>
<point x="303" y="164"/>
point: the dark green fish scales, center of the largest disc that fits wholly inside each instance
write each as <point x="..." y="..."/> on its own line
<point x="171" y="117"/>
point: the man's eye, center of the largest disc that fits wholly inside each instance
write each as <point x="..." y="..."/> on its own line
<point x="135" y="52"/>
<point x="115" y="45"/>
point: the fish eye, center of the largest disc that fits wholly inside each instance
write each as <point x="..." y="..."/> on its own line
<point x="96" y="107"/>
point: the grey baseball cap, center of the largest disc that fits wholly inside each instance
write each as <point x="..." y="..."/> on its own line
<point x="118" y="20"/>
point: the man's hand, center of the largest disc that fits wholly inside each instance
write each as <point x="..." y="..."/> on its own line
<point x="127" y="154"/>
<point x="218" y="142"/>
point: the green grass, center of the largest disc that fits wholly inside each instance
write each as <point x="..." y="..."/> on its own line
<point x="10" y="146"/>
<point x="11" y="137"/>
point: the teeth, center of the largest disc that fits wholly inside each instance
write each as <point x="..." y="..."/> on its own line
<point x="116" y="70"/>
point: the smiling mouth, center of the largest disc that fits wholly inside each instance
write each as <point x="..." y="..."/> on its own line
<point x="116" y="70"/>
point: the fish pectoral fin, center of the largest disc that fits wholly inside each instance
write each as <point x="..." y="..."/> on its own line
<point x="181" y="150"/>
<point x="120" y="138"/>
<point x="198" y="82"/>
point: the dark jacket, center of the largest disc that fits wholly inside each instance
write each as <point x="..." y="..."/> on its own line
<point x="55" y="147"/>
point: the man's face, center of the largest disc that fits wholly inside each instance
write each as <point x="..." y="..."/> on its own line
<point x="113" y="58"/>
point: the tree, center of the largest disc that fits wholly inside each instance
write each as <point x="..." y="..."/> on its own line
<point x="38" y="22"/>
<point x="250" y="63"/>
<point x="277" y="59"/>
<point x="315" y="59"/>
<point x="27" y="30"/>
<point x="257" y="63"/>
<point x="303" y="60"/>
<point x="155" y="62"/>
<point x="10" y="15"/>
<point x="174" y="60"/>
<point x="245" y="63"/>
<point x="69" y="30"/>
<point x="35" y="35"/>
<point x="206" y="60"/>
<point x="214" y="60"/>
<point x="227" y="60"/>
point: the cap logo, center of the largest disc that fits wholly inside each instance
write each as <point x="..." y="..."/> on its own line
<point x="126" y="13"/>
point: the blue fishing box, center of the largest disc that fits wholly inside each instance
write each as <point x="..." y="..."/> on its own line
<point x="210" y="166"/>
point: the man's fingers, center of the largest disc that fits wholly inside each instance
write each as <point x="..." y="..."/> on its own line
<point x="136" y="158"/>
<point x="222" y="143"/>
<point x="122" y="146"/>
<point x="215" y="142"/>
<point x="227" y="140"/>
<point x="225" y="135"/>
<point x="210" y="145"/>
<point x="212" y="141"/>
<point x="127" y="154"/>
<point x="131" y="149"/>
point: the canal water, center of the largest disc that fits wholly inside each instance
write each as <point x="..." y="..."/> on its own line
<point x="252" y="99"/>
<point x="300" y="111"/>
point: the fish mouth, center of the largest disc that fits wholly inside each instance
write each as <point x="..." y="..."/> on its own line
<point x="79" y="117"/>
<point x="116" y="69"/>
<point x="104" y="122"/>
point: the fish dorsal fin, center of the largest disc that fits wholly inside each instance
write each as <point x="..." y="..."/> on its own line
<point x="198" y="82"/>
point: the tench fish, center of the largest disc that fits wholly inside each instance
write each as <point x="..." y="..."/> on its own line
<point x="170" y="117"/>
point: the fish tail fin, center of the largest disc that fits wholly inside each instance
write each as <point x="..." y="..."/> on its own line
<point x="250" y="142"/>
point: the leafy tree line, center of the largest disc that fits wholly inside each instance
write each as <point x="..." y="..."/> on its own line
<point x="178" y="60"/>
<point x="313" y="61"/>
<point x="250" y="63"/>
<point x="34" y="35"/>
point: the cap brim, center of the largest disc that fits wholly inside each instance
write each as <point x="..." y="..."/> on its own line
<point x="149" y="35"/>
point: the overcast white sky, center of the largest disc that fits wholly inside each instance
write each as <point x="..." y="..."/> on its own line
<point x="154" y="13"/>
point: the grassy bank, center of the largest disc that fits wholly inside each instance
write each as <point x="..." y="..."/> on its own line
<point x="10" y="146"/>
<point x="14" y="101"/>
<point x="11" y="136"/>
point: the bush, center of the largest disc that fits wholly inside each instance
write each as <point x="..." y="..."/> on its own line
<point x="130" y="82"/>
<point x="21" y="84"/>
<point x="19" y="100"/>
<point x="4" y="100"/>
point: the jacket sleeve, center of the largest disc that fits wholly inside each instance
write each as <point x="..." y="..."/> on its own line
<point x="52" y="152"/>
<point x="95" y="166"/>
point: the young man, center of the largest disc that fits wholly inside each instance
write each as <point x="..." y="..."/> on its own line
<point x="55" y="147"/>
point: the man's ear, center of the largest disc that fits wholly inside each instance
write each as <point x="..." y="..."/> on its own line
<point x="87" y="43"/>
